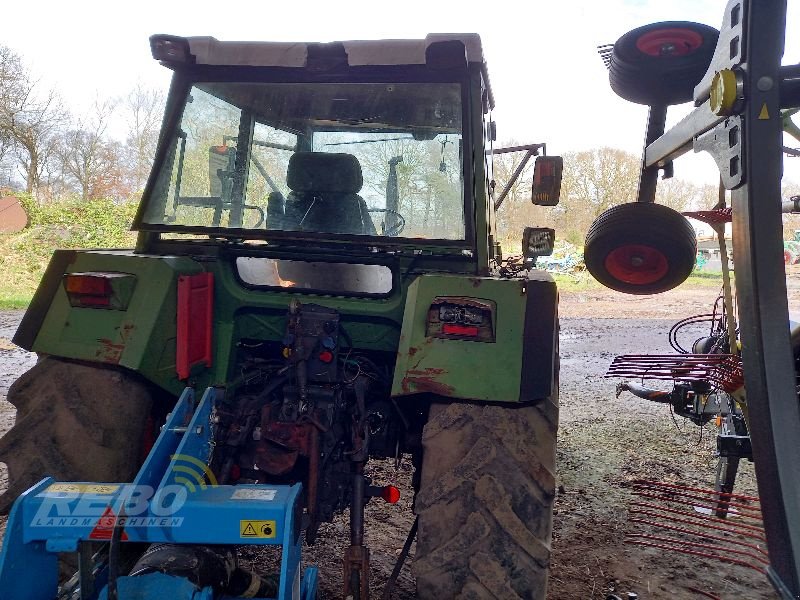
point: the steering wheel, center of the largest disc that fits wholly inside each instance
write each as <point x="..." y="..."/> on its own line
<point x="399" y="225"/>
<point x="260" y="214"/>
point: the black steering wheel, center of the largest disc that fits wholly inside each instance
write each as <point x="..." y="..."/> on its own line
<point x="399" y="225"/>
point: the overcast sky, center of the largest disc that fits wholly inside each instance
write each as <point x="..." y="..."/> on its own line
<point x="549" y="83"/>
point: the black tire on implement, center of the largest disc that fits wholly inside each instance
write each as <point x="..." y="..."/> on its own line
<point x="640" y="248"/>
<point x="75" y="422"/>
<point x="644" y="70"/>
<point x="485" y="501"/>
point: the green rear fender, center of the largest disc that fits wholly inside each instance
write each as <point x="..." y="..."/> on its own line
<point x="141" y="338"/>
<point x="520" y="364"/>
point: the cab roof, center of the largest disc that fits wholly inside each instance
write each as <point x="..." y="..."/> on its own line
<point x="206" y="50"/>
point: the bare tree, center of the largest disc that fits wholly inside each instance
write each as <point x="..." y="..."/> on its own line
<point x="88" y="158"/>
<point x="29" y="118"/>
<point x="11" y="70"/>
<point x="144" y="108"/>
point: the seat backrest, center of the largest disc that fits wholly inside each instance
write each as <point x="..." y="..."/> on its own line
<point x="324" y="194"/>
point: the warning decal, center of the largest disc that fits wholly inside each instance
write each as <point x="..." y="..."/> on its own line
<point x="254" y="494"/>
<point x="257" y="529"/>
<point x="81" y="488"/>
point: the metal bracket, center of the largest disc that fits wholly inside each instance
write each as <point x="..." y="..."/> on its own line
<point x="530" y="151"/>
<point x="724" y="144"/>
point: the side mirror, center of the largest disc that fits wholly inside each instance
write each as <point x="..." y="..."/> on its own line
<point x="547" y="180"/>
<point x="538" y="241"/>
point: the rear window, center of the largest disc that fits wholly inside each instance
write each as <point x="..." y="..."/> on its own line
<point x="325" y="277"/>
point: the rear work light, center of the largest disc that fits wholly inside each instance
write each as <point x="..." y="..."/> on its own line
<point x="466" y="330"/>
<point x="99" y="290"/>
<point x="171" y="48"/>
<point x="462" y="319"/>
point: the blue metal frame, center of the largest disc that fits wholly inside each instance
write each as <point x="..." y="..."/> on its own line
<point x="170" y="500"/>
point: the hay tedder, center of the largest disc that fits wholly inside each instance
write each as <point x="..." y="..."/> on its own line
<point x="744" y="372"/>
<point x="316" y="282"/>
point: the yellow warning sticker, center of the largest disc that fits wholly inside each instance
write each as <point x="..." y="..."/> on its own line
<point x="81" y="488"/>
<point x="763" y="115"/>
<point x="257" y="529"/>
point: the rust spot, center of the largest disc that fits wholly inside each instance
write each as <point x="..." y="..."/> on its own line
<point x="476" y="281"/>
<point x="423" y="384"/>
<point x="109" y="352"/>
<point x="427" y="372"/>
<point x="425" y="381"/>
<point x="412" y="351"/>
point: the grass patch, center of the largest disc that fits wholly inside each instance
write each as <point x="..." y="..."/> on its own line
<point x="582" y="281"/>
<point x="66" y="224"/>
<point x="705" y="279"/>
<point x="8" y="302"/>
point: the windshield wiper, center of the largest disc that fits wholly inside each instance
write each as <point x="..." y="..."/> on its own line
<point x="409" y="137"/>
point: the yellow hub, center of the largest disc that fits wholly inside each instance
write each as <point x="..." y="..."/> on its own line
<point x="723" y="93"/>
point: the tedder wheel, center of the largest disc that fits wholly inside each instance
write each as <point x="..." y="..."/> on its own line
<point x="485" y="501"/>
<point x="661" y="63"/>
<point x="640" y="248"/>
<point x="75" y="422"/>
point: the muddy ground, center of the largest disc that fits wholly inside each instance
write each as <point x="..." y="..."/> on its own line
<point x="604" y="444"/>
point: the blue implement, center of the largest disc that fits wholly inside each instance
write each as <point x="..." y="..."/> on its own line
<point x="174" y="499"/>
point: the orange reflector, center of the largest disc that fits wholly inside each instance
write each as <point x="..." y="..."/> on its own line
<point x="391" y="494"/>
<point x="88" y="285"/>
<point x="453" y="329"/>
<point x="718" y="421"/>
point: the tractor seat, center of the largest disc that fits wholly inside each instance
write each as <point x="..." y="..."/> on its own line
<point x="324" y="195"/>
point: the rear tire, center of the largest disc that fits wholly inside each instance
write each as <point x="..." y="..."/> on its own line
<point x="75" y="422"/>
<point x="643" y="69"/>
<point x="640" y="248"/>
<point x="485" y="501"/>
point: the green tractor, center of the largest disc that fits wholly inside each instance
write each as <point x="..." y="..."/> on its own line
<point x="317" y="242"/>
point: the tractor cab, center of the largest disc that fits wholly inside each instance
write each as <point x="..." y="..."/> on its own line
<point x="317" y="252"/>
<point x="319" y="144"/>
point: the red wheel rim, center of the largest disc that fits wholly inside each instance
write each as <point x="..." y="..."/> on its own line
<point x="667" y="43"/>
<point x="637" y="264"/>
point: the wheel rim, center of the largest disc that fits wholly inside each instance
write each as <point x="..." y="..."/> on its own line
<point x="637" y="264"/>
<point x="668" y="43"/>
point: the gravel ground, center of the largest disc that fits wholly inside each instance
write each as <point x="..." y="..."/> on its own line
<point x="604" y="444"/>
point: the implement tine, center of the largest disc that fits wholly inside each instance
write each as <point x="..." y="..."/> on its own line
<point x="664" y="523"/>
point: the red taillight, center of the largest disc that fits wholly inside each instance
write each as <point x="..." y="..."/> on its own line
<point x="89" y="291"/>
<point x="326" y="356"/>
<point x="99" y="289"/>
<point x="391" y="494"/>
<point x="91" y="301"/>
<point x="465" y="330"/>
<point x="88" y="285"/>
